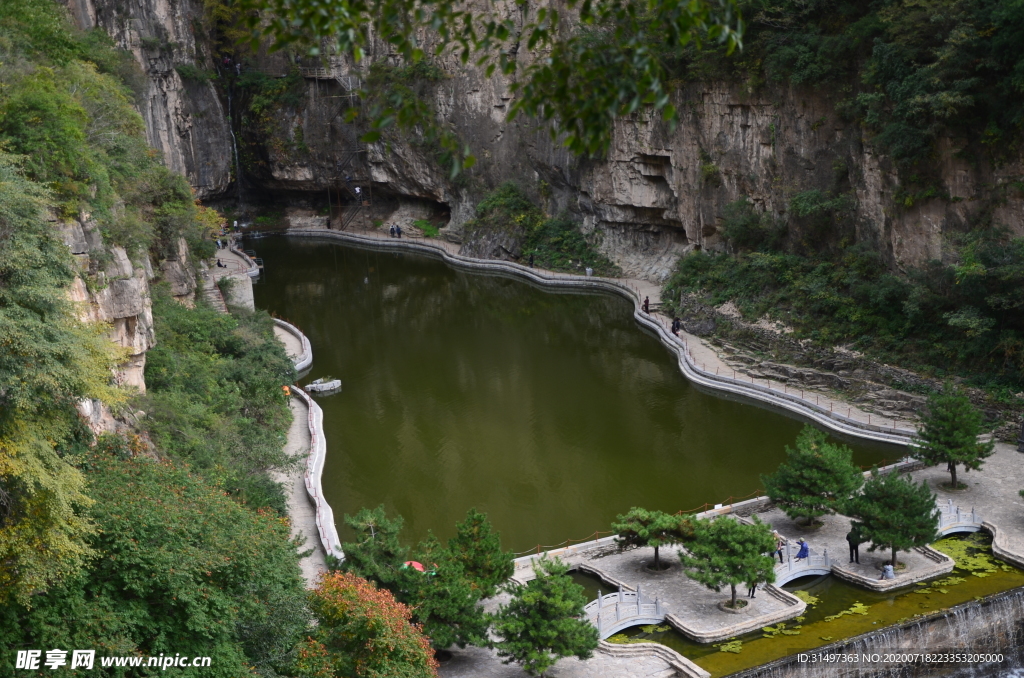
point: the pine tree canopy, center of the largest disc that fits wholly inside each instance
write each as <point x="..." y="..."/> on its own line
<point x="726" y="552"/>
<point x="641" y="527"/>
<point x="443" y="599"/>
<point x="376" y="554"/>
<point x="815" y="477"/>
<point x="894" y="512"/>
<point x="949" y="434"/>
<point x="542" y="622"/>
<point x="477" y="547"/>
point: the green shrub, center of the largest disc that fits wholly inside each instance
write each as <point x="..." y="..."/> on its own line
<point x="214" y="396"/>
<point x="558" y="244"/>
<point x="179" y="567"/>
<point x="191" y="73"/>
<point x="747" y="229"/>
<point x="429" y="229"/>
<point x="945" y="319"/>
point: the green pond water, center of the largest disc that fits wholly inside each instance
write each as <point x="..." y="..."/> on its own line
<point x="839" y="610"/>
<point x="551" y="412"/>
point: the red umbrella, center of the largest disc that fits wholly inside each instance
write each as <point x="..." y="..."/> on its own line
<point x="416" y="566"/>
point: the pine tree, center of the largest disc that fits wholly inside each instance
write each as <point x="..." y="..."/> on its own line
<point x="894" y="512"/>
<point x="949" y="434"/>
<point x="815" y="477"/>
<point x="443" y="599"/>
<point x="641" y="527"/>
<point x="376" y="554"/>
<point x="728" y="552"/>
<point x="477" y="547"/>
<point x="543" y="621"/>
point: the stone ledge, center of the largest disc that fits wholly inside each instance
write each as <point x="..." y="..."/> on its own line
<point x="943" y="564"/>
<point x="796" y="608"/>
<point x="683" y="666"/>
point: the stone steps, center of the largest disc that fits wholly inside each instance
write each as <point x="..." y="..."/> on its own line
<point x="212" y="294"/>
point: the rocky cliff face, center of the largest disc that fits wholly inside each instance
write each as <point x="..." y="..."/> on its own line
<point x="185" y="119"/>
<point x="113" y="288"/>
<point x="657" y="194"/>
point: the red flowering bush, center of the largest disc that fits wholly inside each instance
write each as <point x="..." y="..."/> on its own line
<point x="363" y="632"/>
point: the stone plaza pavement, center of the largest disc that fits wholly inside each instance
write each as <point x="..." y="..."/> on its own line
<point x="921" y="564"/>
<point x="691" y="607"/>
<point x="993" y="491"/>
<point x="475" y="662"/>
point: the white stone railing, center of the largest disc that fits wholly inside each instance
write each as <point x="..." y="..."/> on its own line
<point x="614" y="612"/>
<point x="794" y="569"/>
<point x="953" y="519"/>
<point x="314" y="469"/>
<point x="305" y="359"/>
<point x="251" y="269"/>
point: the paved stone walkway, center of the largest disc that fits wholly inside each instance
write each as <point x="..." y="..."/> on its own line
<point x="475" y="662"/>
<point x="831" y="537"/>
<point x="300" y="510"/>
<point x="292" y="345"/>
<point x="708" y="357"/>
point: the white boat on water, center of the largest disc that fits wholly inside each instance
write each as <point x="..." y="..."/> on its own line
<point x="324" y="385"/>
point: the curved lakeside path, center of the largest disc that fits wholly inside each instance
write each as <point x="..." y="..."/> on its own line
<point x="992" y="495"/>
<point x="698" y="361"/>
<point x="300" y="508"/>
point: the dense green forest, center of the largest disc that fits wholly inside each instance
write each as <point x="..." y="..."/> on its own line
<point x="909" y="72"/>
<point x="173" y="539"/>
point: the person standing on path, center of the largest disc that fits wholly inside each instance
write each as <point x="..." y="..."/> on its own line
<point x="752" y="590"/>
<point x="398" y="231"/>
<point x="647" y="305"/>
<point x="779" y="543"/>
<point x="804" y="552"/>
<point x="854" y="539"/>
<point x="531" y="261"/>
<point x="676" y="325"/>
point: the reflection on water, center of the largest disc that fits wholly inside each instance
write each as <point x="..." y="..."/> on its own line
<point x="552" y="412"/>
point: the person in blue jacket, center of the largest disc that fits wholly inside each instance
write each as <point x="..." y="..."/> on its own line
<point x="805" y="550"/>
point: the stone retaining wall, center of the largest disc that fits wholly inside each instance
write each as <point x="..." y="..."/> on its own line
<point x="314" y="469"/>
<point x="325" y="526"/>
<point x="305" y="360"/>
<point x="252" y="270"/>
<point x="992" y="625"/>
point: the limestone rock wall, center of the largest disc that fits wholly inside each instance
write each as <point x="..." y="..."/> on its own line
<point x="658" y="192"/>
<point x="185" y="119"/>
<point x="655" y="195"/>
<point x="117" y="294"/>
